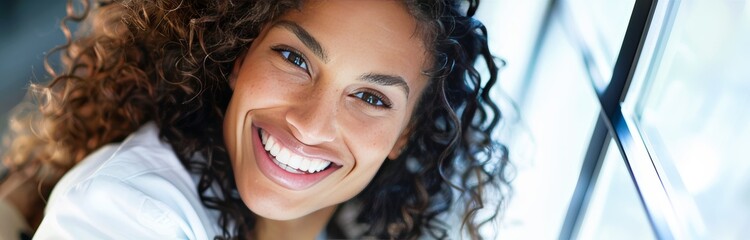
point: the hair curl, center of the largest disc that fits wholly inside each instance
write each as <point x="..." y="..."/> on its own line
<point x="168" y="62"/>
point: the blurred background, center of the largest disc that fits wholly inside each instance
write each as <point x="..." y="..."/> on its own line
<point x="29" y="29"/>
<point x="625" y="119"/>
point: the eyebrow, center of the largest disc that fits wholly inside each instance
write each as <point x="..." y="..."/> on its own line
<point x="386" y="80"/>
<point x="313" y="44"/>
<point x="305" y="37"/>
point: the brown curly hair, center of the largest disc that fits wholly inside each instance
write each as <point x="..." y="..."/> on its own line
<point x="168" y="62"/>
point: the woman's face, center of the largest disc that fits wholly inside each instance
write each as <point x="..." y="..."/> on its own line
<point x="321" y="98"/>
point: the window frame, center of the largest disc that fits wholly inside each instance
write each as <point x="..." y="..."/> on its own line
<point x="658" y="188"/>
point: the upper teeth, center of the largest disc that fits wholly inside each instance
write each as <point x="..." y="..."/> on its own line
<point x="289" y="158"/>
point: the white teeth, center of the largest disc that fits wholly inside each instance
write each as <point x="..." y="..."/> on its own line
<point x="314" y="166"/>
<point x="269" y="143"/>
<point x="286" y="167"/>
<point x="324" y="165"/>
<point x="263" y="137"/>
<point x="295" y="161"/>
<point x="305" y="164"/>
<point x="283" y="156"/>
<point x="288" y="160"/>
<point x="275" y="149"/>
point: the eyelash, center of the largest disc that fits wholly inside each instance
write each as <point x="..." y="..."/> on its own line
<point x="301" y="62"/>
<point x="386" y="104"/>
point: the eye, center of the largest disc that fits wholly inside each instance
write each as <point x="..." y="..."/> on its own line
<point x="292" y="57"/>
<point x="373" y="99"/>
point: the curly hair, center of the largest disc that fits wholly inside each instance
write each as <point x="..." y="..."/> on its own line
<point x="168" y="62"/>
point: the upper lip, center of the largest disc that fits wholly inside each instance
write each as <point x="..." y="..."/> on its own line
<point x="297" y="147"/>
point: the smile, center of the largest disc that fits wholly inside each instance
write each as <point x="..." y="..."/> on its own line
<point x="288" y="160"/>
<point x="295" y="167"/>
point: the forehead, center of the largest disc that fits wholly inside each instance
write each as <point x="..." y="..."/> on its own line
<point x="379" y="34"/>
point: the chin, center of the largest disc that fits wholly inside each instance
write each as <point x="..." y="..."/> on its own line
<point x="275" y="207"/>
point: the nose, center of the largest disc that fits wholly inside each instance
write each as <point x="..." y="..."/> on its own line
<point x="313" y="119"/>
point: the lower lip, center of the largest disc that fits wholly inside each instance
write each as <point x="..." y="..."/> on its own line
<point x="280" y="176"/>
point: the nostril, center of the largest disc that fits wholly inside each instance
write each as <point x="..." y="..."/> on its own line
<point x="312" y="135"/>
<point x="312" y="127"/>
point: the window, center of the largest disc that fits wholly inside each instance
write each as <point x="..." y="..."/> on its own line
<point x="636" y="111"/>
<point x="614" y="210"/>
<point x="632" y="117"/>
<point x="688" y="107"/>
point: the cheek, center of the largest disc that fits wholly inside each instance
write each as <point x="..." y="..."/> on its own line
<point x="371" y="145"/>
<point x="376" y="141"/>
<point x="255" y="88"/>
<point x="259" y="87"/>
<point x="371" y="139"/>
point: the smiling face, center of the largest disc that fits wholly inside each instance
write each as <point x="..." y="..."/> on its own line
<point x="321" y="98"/>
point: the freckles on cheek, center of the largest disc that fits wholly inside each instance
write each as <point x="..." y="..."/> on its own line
<point x="376" y="142"/>
<point x="261" y="86"/>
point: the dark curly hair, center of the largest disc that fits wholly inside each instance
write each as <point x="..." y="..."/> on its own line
<point x="168" y="62"/>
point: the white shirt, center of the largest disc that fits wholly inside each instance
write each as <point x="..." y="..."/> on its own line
<point x="137" y="189"/>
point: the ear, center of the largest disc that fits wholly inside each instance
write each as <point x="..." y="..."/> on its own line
<point x="400" y="144"/>
<point x="236" y="68"/>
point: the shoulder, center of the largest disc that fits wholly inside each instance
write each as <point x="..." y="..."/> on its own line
<point x="142" y="161"/>
<point x="136" y="188"/>
<point x="140" y="153"/>
<point x="106" y="207"/>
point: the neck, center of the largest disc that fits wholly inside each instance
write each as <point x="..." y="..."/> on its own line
<point x="306" y="227"/>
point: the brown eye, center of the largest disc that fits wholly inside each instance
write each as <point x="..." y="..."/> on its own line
<point x="294" y="58"/>
<point x="372" y="99"/>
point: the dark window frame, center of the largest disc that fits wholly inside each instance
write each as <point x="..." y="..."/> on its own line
<point x="646" y="171"/>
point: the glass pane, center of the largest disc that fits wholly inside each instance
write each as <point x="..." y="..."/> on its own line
<point x="694" y="112"/>
<point x="601" y="26"/>
<point x="513" y="27"/>
<point x="615" y="210"/>
<point x="560" y="111"/>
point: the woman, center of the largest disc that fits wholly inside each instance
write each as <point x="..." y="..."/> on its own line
<point x="266" y="120"/>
